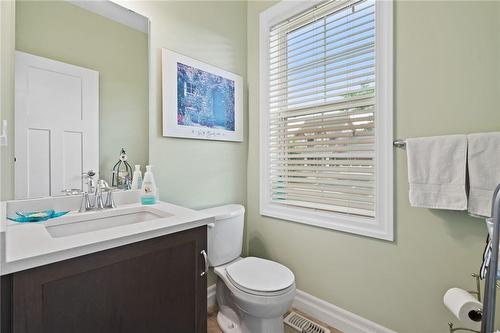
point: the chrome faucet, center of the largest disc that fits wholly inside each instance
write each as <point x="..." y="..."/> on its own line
<point x="90" y="180"/>
<point x="98" y="189"/>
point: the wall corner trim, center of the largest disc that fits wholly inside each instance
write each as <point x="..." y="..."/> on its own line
<point x="335" y="316"/>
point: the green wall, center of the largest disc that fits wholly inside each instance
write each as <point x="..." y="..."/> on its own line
<point x="61" y="31"/>
<point x="196" y="173"/>
<point x="446" y="81"/>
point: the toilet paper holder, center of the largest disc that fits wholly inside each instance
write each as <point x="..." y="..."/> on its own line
<point x="477" y="314"/>
<point x="454" y="329"/>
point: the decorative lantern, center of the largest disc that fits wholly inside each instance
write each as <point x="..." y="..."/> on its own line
<point x="122" y="172"/>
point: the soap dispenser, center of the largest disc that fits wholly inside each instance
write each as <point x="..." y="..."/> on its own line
<point x="148" y="189"/>
<point x="137" y="178"/>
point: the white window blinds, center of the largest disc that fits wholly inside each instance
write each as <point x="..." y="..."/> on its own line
<point x="322" y="109"/>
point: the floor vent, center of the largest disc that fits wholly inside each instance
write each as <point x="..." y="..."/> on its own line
<point x="304" y="325"/>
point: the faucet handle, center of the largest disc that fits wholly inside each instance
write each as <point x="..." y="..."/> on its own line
<point x="103" y="185"/>
<point x="90" y="173"/>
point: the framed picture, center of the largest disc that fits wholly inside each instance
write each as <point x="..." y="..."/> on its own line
<point x="200" y="101"/>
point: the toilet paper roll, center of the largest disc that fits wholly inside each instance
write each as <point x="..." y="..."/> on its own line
<point x="465" y="307"/>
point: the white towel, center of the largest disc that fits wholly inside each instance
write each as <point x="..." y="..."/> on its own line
<point x="437" y="172"/>
<point x="484" y="171"/>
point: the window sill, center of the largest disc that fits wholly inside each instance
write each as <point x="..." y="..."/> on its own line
<point x="369" y="227"/>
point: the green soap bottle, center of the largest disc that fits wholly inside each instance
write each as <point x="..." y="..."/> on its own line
<point x="148" y="189"/>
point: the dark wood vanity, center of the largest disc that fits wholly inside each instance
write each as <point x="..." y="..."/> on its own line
<point x="155" y="285"/>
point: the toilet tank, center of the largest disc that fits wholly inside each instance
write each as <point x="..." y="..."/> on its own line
<point x="225" y="235"/>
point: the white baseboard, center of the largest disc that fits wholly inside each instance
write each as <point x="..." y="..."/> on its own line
<point x="211" y="296"/>
<point x="328" y="313"/>
<point x="334" y="316"/>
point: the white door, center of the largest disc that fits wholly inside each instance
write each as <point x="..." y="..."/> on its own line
<point x="56" y="125"/>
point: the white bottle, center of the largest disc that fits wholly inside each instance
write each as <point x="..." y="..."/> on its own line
<point x="137" y="178"/>
<point x="148" y="190"/>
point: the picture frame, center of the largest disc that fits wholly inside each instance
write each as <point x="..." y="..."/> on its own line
<point x="200" y="101"/>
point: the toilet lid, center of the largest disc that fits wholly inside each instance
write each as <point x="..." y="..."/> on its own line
<point x="260" y="275"/>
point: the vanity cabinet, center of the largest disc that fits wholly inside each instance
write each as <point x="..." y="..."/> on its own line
<point x="156" y="285"/>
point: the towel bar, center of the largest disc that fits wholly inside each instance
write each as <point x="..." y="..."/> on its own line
<point x="398" y="143"/>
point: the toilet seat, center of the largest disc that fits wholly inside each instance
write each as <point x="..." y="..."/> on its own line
<point x="260" y="276"/>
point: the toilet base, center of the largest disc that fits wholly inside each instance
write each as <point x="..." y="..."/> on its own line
<point x="228" y="321"/>
<point x="237" y="316"/>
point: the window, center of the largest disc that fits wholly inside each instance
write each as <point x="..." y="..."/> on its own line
<point x="326" y="115"/>
<point x="189" y="88"/>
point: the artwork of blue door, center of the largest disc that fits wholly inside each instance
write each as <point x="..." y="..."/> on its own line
<point x="219" y="109"/>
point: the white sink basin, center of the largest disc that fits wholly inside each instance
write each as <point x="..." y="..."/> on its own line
<point x="98" y="220"/>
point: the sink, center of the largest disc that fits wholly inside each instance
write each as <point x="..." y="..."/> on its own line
<point x="99" y="220"/>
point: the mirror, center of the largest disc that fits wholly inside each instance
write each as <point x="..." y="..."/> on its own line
<point x="81" y="95"/>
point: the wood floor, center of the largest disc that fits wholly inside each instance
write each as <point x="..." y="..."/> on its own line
<point x="214" y="328"/>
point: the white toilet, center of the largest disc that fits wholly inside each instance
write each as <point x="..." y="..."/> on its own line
<point x="253" y="294"/>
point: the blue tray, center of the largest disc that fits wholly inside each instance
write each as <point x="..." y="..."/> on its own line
<point x="41" y="216"/>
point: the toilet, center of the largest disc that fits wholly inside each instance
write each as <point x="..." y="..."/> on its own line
<point x="252" y="293"/>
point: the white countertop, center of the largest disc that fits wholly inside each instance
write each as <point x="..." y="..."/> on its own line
<point x="28" y="245"/>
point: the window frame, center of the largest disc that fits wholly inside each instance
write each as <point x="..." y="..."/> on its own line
<point x="382" y="226"/>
